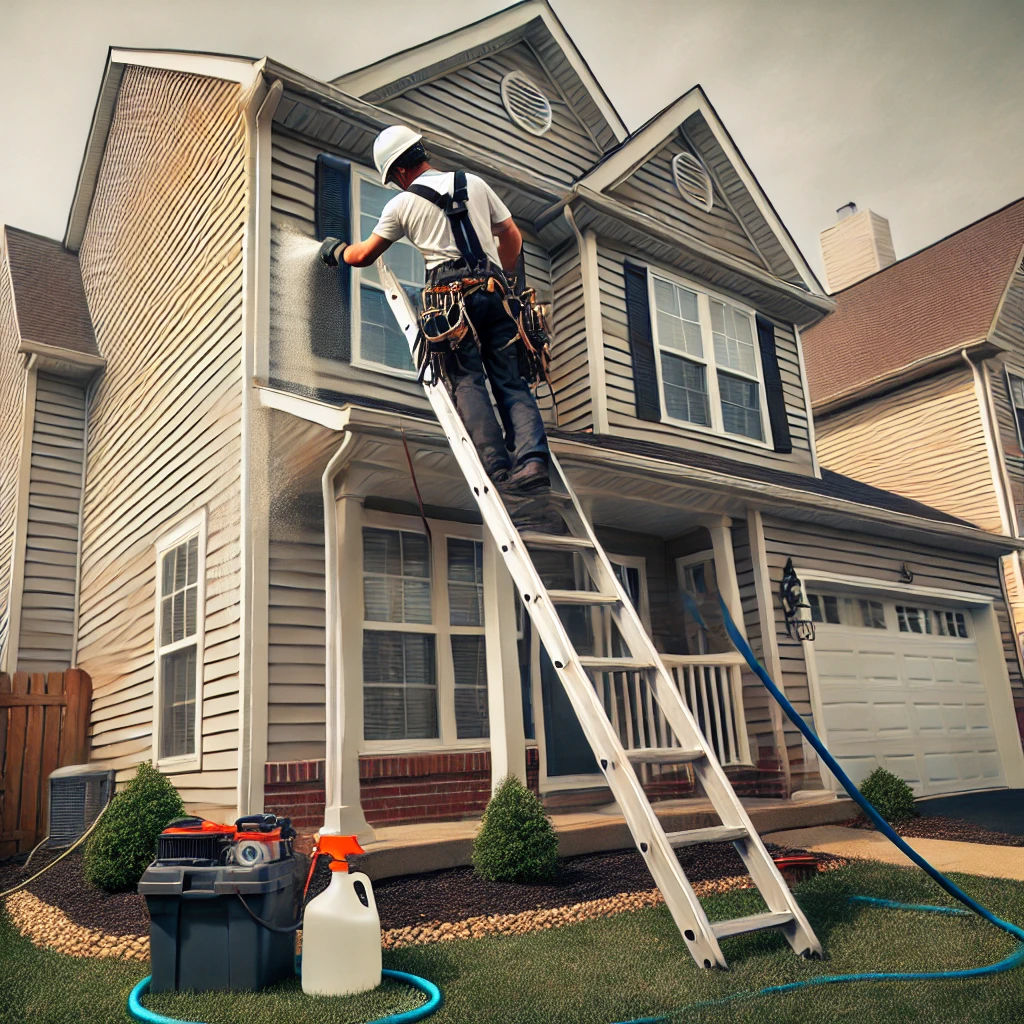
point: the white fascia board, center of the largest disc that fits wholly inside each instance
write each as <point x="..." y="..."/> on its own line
<point x="364" y="81"/>
<point x="242" y="70"/>
<point x="322" y="413"/>
<point x="640" y="146"/>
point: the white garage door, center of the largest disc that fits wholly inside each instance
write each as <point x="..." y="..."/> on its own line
<point x="901" y="686"/>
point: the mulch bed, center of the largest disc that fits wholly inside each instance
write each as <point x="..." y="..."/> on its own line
<point x="457" y="893"/>
<point x="450" y="895"/>
<point x="936" y="827"/>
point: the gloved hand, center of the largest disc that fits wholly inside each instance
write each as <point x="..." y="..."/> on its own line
<point x="331" y="250"/>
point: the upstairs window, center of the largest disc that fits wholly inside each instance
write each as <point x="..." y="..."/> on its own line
<point x="378" y="343"/>
<point x="708" y="363"/>
<point x="1016" y="385"/>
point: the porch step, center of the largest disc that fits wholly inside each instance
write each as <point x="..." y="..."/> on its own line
<point x="754" y="923"/>
<point x="554" y="542"/>
<point x="664" y="755"/>
<point x="590" y="597"/>
<point x="615" y="664"/>
<point x="714" y="834"/>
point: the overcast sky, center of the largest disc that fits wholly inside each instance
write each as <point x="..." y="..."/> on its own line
<point x="914" y="108"/>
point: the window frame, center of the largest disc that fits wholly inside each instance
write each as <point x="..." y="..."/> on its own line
<point x="439" y="627"/>
<point x="705" y="296"/>
<point x="195" y="525"/>
<point x="358" y="176"/>
<point x="1017" y="410"/>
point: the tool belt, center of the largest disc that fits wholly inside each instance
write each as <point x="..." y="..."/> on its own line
<point x="445" y="321"/>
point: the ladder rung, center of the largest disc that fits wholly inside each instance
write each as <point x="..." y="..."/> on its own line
<point x="615" y="664"/>
<point x="550" y="540"/>
<point x="582" y="597"/>
<point x="664" y="755"/>
<point x="714" y="834"/>
<point x="741" y="925"/>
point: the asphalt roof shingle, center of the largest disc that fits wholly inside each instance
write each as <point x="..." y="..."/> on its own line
<point x="49" y="298"/>
<point x="941" y="297"/>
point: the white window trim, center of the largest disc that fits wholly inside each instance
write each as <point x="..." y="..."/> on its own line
<point x="439" y="626"/>
<point x="704" y="297"/>
<point x="358" y="175"/>
<point x="196" y="525"/>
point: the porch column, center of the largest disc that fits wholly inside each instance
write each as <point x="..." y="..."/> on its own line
<point x="343" y="814"/>
<point x="504" y="689"/>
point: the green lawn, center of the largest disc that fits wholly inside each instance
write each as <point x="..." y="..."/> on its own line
<point x="612" y="969"/>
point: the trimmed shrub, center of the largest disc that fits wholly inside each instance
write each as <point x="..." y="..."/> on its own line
<point x="124" y="843"/>
<point x="516" y="841"/>
<point x="889" y="795"/>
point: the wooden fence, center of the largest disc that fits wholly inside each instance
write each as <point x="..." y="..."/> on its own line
<point x="43" y="723"/>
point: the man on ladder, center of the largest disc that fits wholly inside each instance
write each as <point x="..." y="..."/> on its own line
<point x="469" y="241"/>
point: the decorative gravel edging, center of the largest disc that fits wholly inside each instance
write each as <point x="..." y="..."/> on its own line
<point x="51" y="928"/>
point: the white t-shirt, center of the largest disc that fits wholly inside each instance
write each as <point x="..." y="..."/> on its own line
<point x="426" y="226"/>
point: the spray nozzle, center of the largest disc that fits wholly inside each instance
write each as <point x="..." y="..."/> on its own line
<point x="330" y="250"/>
<point x="339" y="847"/>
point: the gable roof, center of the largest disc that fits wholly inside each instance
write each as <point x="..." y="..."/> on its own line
<point x="531" y="20"/>
<point x="922" y="308"/>
<point x="49" y="300"/>
<point x="694" y="114"/>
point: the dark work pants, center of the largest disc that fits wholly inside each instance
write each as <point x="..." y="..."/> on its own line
<point x="521" y="425"/>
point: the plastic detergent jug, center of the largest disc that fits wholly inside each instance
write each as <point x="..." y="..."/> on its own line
<point x="341" y="929"/>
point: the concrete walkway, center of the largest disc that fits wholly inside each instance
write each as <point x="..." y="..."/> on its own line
<point x="970" y="858"/>
<point x="431" y="846"/>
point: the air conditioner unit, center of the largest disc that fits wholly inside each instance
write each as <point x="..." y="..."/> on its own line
<point x="77" y="795"/>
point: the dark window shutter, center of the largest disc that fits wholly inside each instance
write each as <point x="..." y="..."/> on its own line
<point x="332" y="332"/>
<point x="773" y="385"/>
<point x="641" y="344"/>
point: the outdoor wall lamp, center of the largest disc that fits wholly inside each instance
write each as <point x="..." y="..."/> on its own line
<point x="799" y="624"/>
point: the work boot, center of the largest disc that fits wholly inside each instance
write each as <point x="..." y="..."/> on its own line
<point x="532" y="475"/>
<point x="549" y="522"/>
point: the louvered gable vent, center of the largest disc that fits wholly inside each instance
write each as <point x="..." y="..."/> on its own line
<point x="527" y="106"/>
<point x="692" y="180"/>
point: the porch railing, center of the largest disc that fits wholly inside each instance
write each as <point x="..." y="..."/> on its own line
<point x="711" y="686"/>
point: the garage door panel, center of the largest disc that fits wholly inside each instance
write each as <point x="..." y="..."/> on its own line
<point x="914" y="703"/>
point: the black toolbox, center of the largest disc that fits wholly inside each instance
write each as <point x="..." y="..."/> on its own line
<point x="201" y="935"/>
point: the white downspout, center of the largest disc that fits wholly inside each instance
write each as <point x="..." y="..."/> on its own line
<point x="343" y="814"/>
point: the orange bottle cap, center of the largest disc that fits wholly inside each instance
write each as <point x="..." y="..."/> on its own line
<point x="339" y="847"/>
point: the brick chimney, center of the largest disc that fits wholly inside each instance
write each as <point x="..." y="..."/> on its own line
<point x="858" y="245"/>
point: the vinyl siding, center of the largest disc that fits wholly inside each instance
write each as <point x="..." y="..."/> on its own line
<point x="819" y="547"/>
<point x="466" y="104"/>
<point x="651" y="189"/>
<point x="51" y="540"/>
<point x="622" y="403"/>
<point x="12" y="387"/>
<point x="162" y="267"/>
<point x="925" y="441"/>
<point x="297" y="648"/>
<point x="570" y="367"/>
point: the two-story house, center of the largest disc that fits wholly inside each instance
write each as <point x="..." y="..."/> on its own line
<point x="917" y="379"/>
<point x="255" y="595"/>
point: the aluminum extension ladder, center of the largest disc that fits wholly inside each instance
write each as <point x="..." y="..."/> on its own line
<point x="618" y="764"/>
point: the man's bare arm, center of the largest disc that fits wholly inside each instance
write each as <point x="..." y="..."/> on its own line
<point x="362" y="254"/>
<point x="510" y="241"/>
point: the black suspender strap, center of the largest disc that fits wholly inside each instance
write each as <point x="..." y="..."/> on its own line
<point x="456" y="209"/>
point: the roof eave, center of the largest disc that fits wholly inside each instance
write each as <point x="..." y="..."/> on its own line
<point x="908" y="373"/>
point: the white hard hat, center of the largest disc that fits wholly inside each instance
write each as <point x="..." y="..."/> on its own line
<point x="391" y="144"/>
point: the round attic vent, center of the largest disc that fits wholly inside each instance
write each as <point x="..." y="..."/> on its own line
<point x="528" y="107"/>
<point x="692" y="180"/>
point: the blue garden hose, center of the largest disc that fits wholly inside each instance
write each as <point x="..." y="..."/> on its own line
<point x="139" y="1012"/>
<point x="1015" y="959"/>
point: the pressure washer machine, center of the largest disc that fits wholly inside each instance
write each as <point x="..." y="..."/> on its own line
<point x="221" y="904"/>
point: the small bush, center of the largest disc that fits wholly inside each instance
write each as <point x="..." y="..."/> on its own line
<point x="124" y="843"/>
<point x="516" y="841"/>
<point x="889" y="795"/>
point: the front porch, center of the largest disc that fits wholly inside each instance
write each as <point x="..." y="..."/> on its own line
<point x="436" y="683"/>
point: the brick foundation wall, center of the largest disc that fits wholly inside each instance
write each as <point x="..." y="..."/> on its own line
<point x="407" y="788"/>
